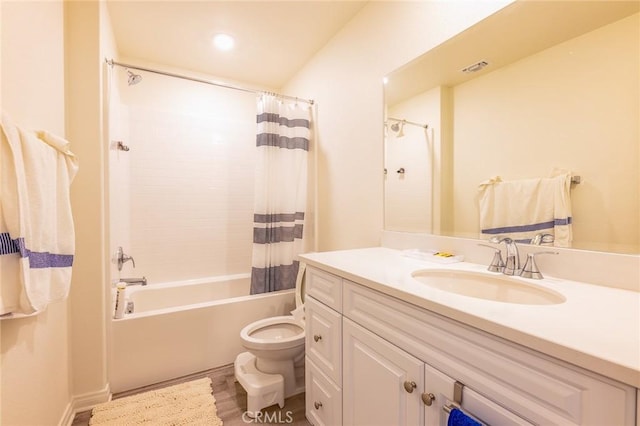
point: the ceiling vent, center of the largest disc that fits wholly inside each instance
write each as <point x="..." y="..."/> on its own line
<point x="475" y="67"/>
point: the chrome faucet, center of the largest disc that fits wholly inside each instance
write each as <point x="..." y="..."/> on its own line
<point x="542" y="238"/>
<point x="134" y="281"/>
<point x="121" y="258"/>
<point x="530" y="269"/>
<point x="497" y="264"/>
<point x="512" y="263"/>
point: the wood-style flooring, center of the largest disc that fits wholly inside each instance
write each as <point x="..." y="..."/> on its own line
<point x="231" y="401"/>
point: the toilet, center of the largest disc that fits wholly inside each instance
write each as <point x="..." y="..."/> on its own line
<point x="272" y="369"/>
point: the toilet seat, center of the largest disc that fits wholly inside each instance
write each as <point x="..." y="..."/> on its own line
<point x="275" y="333"/>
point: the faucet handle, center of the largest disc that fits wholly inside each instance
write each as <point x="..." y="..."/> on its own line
<point x="542" y="238"/>
<point x="121" y="258"/>
<point x="497" y="240"/>
<point x="497" y="264"/>
<point x="530" y="269"/>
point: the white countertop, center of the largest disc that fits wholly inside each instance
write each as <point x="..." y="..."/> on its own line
<point x="596" y="328"/>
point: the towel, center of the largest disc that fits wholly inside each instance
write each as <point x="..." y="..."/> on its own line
<point x="458" y="418"/>
<point x="520" y="209"/>
<point x="37" y="239"/>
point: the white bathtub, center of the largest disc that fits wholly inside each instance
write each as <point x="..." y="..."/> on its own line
<point x="184" y="327"/>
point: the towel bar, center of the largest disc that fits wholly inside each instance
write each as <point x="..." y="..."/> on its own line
<point x="448" y="407"/>
<point x="457" y="397"/>
<point x="470" y="419"/>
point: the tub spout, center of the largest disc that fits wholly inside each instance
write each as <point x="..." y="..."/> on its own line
<point x="134" y="281"/>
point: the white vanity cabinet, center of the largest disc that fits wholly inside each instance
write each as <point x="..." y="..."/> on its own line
<point x="323" y="346"/>
<point x="528" y="384"/>
<point x="400" y="365"/>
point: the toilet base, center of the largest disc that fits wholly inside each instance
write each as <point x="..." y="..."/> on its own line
<point x="263" y="390"/>
<point x="291" y="372"/>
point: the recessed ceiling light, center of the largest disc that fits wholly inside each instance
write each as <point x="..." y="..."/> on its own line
<point x="224" y="41"/>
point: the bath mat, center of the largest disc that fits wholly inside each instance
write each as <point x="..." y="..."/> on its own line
<point x="189" y="403"/>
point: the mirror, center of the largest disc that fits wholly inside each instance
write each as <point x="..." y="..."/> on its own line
<point x="560" y="90"/>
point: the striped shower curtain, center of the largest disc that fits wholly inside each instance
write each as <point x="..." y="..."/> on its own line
<point x="282" y="142"/>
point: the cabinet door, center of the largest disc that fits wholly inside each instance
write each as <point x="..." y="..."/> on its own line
<point x="382" y="384"/>
<point x="323" y="338"/>
<point x="440" y="389"/>
<point x="323" y="402"/>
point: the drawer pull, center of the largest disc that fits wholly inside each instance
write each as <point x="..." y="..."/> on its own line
<point x="410" y="386"/>
<point x="428" y="399"/>
<point x="317" y="337"/>
<point x="318" y="405"/>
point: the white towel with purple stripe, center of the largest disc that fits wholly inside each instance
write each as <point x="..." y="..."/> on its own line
<point x="37" y="239"/>
<point x="521" y="209"/>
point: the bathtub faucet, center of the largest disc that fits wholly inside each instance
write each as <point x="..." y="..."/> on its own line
<point x="134" y="281"/>
<point x="121" y="258"/>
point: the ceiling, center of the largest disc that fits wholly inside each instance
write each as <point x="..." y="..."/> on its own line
<point x="273" y="39"/>
<point x="532" y="27"/>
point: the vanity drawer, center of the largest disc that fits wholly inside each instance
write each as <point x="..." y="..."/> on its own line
<point x="536" y="387"/>
<point x="323" y="398"/>
<point x="325" y="287"/>
<point x="323" y="338"/>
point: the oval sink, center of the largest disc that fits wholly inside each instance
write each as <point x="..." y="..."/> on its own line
<point x="499" y="288"/>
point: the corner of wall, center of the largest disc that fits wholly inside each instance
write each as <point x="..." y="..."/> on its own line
<point x="84" y="130"/>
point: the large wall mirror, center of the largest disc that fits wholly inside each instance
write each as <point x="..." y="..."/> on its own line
<point x="560" y="91"/>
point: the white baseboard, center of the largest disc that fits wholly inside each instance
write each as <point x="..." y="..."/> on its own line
<point x="84" y="402"/>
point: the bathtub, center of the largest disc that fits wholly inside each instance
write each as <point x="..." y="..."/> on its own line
<point x="181" y="328"/>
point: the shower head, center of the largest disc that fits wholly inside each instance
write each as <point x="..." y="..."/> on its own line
<point x="133" y="78"/>
<point x="398" y="127"/>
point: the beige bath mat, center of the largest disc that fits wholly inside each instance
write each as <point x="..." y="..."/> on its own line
<point x="189" y="403"/>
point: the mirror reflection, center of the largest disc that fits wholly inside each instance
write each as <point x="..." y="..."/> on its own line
<point x="559" y="94"/>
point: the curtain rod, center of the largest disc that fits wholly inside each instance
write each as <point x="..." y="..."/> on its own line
<point x="400" y="120"/>
<point x="198" y="80"/>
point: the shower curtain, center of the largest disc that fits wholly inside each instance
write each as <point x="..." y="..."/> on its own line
<point x="282" y="142"/>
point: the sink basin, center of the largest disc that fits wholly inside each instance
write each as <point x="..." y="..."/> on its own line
<point x="499" y="288"/>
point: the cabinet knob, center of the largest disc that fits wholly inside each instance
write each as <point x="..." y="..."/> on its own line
<point x="410" y="386"/>
<point x="317" y="337"/>
<point x="318" y="405"/>
<point x="428" y="399"/>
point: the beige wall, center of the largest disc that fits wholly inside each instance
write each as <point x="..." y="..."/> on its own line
<point x="574" y="106"/>
<point x="36" y="384"/>
<point x="56" y="362"/>
<point x="85" y="64"/>
<point x="345" y="78"/>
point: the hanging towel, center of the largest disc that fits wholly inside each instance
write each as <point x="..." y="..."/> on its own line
<point x="37" y="240"/>
<point x="520" y="209"/>
<point x="459" y="418"/>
